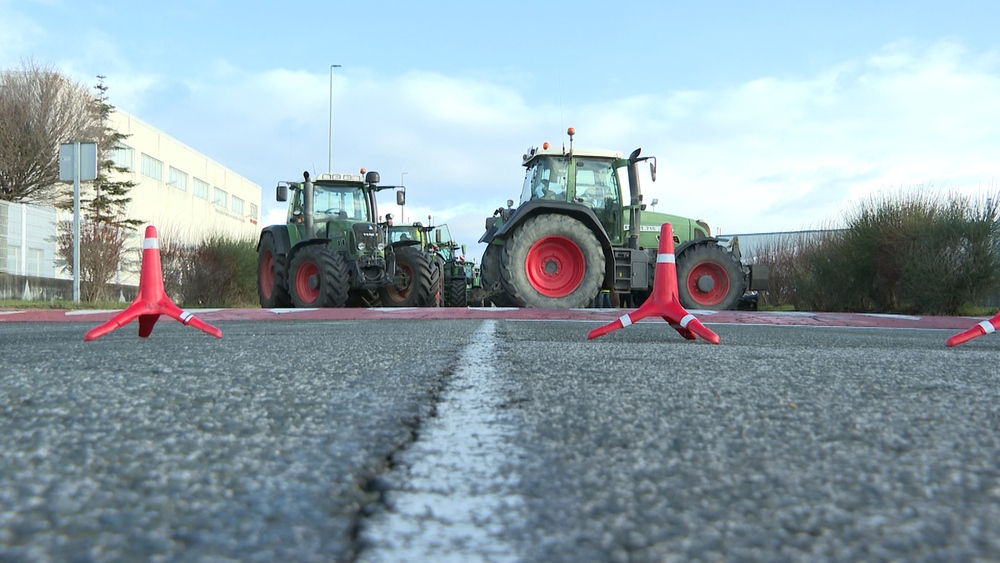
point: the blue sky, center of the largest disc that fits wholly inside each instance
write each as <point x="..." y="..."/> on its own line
<point x="763" y="115"/>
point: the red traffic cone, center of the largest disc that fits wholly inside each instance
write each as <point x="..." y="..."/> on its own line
<point x="664" y="301"/>
<point x="152" y="300"/>
<point x="980" y="329"/>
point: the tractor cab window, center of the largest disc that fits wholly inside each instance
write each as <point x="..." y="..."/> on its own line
<point x="339" y="202"/>
<point x="545" y="178"/>
<point x="597" y="188"/>
<point x="404" y="234"/>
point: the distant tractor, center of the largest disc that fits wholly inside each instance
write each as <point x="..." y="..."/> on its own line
<point x="573" y="235"/>
<point x="330" y="252"/>
<point x="418" y="276"/>
<point x="450" y="280"/>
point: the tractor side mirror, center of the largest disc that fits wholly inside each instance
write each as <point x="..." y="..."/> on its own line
<point x="372" y="177"/>
<point x="437" y="236"/>
<point x="510" y="203"/>
<point x="463" y="249"/>
<point x="400" y="198"/>
<point x="281" y="193"/>
<point x="652" y="169"/>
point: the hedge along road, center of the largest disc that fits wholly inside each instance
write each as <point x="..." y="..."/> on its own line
<point x="498" y="438"/>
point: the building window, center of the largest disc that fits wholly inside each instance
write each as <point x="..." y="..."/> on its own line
<point x="123" y="157"/>
<point x="253" y="211"/>
<point x="33" y="262"/>
<point x="150" y="167"/>
<point x="200" y="188"/>
<point x="220" y="197"/>
<point x="178" y="179"/>
<point x="237" y="206"/>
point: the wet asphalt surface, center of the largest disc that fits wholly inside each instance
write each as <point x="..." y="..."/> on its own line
<point x="496" y="440"/>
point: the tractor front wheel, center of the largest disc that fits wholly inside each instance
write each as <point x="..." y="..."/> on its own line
<point x="414" y="282"/>
<point x="272" y="275"/>
<point x="709" y="277"/>
<point x="552" y="261"/>
<point x="318" y="278"/>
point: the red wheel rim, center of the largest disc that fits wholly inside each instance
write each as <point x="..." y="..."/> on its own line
<point x="267" y="275"/>
<point x="399" y="293"/>
<point x="720" y="284"/>
<point x="555" y="266"/>
<point x="306" y="292"/>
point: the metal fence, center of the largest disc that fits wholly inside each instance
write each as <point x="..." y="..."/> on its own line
<point x="28" y="241"/>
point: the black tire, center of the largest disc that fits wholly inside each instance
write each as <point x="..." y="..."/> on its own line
<point x="362" y="298"/>
<point x="437" y="283"/>
<point x="457" y="293"/>
<point x="413" y="284"/>
<point x="709" y="277"/>
<point x="490" y="277"/>
<point x="318" y="278"/>
<point x="272" y="275"/>
<point x="552" y="261"/>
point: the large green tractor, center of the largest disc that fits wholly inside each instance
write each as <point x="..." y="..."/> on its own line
<point x="574" y="234"/>
<point x="330" y="252"/>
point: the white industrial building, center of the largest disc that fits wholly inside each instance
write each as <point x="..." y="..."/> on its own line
<point x="183" y="193"/>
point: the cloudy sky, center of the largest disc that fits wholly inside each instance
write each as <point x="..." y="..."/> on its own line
<point x="764" y="116"/>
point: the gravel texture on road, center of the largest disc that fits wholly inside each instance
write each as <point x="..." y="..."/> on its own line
<point x="780" y="444"/>
<point x="261" y="446"/>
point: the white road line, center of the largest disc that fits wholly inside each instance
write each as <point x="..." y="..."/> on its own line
<point x="456" y="496"/>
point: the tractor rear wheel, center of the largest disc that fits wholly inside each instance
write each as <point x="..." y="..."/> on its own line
<point x="490" y="276"/>
<point x="457" y="293"/>
<point x="709" y="277"/>
<point x="318" y="278"/>
<point x="414" y="282"/>
<point x="272" y="275"/>
<point x="552" y="261"/>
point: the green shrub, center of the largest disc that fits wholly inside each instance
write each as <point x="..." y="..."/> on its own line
<point x="221" y="271"/>
<point x="913" y="252"/>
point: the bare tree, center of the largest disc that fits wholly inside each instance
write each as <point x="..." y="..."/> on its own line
<point x="39" y="110"/>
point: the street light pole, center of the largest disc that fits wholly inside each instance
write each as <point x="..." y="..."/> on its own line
<point x="330" y="166"/>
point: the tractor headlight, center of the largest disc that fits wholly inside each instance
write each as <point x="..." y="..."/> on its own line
<point x="380" y="246"/>
<point x="361" y="246"/>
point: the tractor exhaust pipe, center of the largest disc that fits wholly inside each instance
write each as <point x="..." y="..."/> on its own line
<point x="635" y="212"/>
<point x="307" y="206"/>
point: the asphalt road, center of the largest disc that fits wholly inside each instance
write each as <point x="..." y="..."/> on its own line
<point x="496" y="439"/>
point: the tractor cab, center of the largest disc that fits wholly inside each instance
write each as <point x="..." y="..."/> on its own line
<point x="585" y="177"/>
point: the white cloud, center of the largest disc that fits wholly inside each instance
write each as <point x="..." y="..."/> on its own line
<point x="774" y="153"/>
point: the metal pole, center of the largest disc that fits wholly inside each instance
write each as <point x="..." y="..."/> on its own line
<point x="330" y="166"/>
<point x="76" y="222"/>
<point x="402" y="208"/>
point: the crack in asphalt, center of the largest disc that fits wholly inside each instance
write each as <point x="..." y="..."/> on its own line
<point x="454" y="493"/>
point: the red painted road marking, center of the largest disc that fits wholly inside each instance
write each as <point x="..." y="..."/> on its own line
<point x="435" y="313"/>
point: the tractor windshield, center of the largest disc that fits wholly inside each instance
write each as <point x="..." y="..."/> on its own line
<point x="401" y="233"/>
<point x="340" y="202"/>
<point x="546" y="179"/>
<point x="444" y="247"/>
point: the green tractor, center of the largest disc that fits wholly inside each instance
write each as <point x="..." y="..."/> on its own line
<point x="573" y="235"/>
<point x="418" y="276"/>
<point x="449" y="285"/>
<point x="330" y="253"/>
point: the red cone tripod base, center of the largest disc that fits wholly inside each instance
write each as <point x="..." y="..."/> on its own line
<point x="663" y="302"/>
<point x="980" y="329"/>
<point x="152" y="300"/>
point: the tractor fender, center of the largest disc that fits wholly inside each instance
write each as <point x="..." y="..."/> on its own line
<point x="679" y="251"/>
<point x="280" y="235"/>
<point x="583" y="214"/>
<point x="705" y="240"/>
<point x="402" y="243"/>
